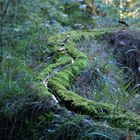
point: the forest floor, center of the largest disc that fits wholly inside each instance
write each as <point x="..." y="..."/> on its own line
<point x="88" y="85"/>
<point x="112" y="73"/>
<point x="111" y="80"/>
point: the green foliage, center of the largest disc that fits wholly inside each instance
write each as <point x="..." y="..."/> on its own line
<point x="29" y="54"/>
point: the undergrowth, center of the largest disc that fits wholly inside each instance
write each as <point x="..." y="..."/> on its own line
<point x="27" y="109"/>
<point x="29" y="112"/>
<point x="105" y="79"/>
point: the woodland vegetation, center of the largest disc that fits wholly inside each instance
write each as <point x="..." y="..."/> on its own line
<point x="69" y="70"/>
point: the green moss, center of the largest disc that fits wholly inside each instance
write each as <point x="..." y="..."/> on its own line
<point x="53" y="85"/>
<point x="61" y="61"/>
<point x="75" y="36"/>
<point x="60" y="80"/>
<point x="59" y="83"/>
<point x="43" y="92"/>
<point x="63" y="76"/>
<point x="118" y="118"/>
<point x="69" y="74"/>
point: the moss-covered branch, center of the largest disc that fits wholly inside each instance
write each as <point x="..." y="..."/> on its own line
<point x="59" y="83"/>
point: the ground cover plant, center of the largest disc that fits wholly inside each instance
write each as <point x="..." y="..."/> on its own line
<point x="69" y="69"/>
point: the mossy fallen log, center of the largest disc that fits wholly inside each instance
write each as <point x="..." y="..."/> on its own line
<point x="58" y="84"/>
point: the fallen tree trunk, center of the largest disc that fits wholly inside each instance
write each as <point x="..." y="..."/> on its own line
<point x="59" y="83"/>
